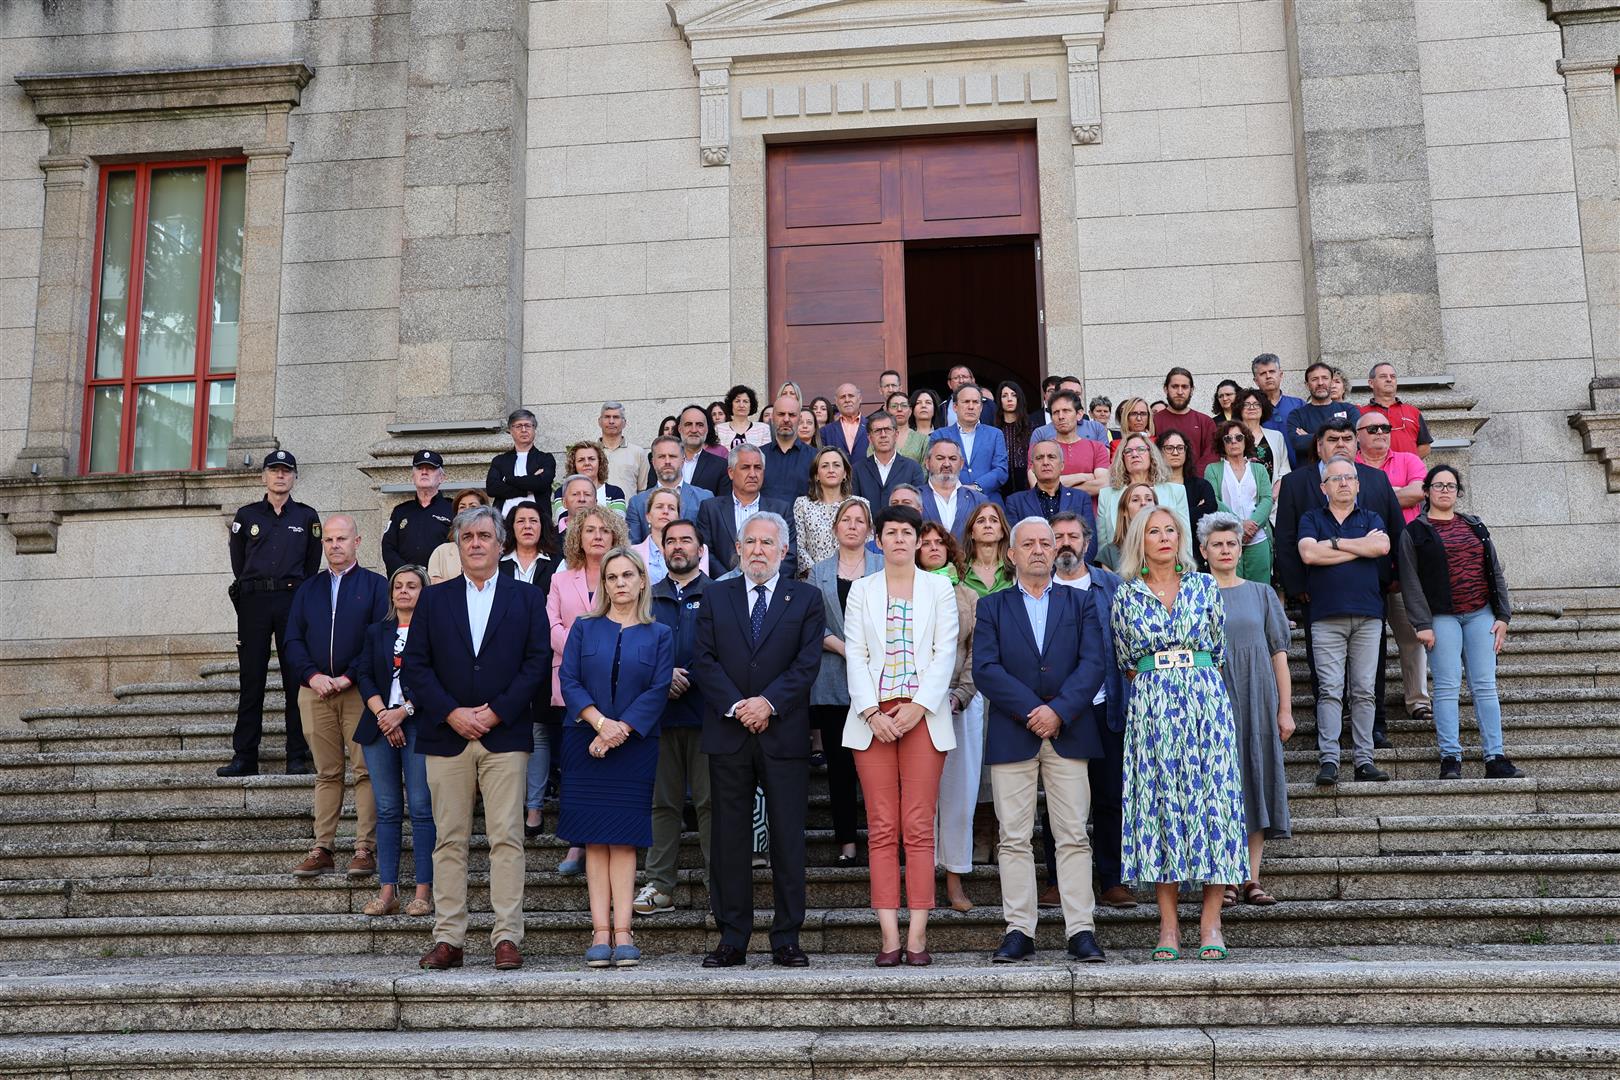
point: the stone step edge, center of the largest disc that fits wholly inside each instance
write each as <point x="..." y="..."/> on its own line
<point x="752" y="1052"/>
<point x="815" y="919"/>
<point x="1364" y="865"/>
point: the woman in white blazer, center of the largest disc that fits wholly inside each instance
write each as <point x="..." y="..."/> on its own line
<point x="900" y="645"/>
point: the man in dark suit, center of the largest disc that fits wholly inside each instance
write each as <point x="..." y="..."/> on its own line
<point x="720" y="519"/>
<point x="1039" y="654"/>
<point x="876" y="474"/>
<point x="478" y="651"/>
<point x="1049" y="498"/>
<point x="522" y="473"/>
<point x="944" y="499"/>
<point x="700" y="468"/>
<point x="758" y="650"/>
<point x="845" y="430"/>
<point x="1301" y="493"/>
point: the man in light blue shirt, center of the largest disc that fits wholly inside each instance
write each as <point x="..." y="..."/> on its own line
<point x="1085" y="427"/>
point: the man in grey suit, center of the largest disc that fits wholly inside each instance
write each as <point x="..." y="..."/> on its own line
<point x="666" y="464"/>
<point x="720" y="520"/>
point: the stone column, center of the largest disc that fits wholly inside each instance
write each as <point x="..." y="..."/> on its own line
<point x="1373" y="291"/>
<point x="56" y="391"/>
<point x="461" y="278"/>
<point x="264" y="206"/>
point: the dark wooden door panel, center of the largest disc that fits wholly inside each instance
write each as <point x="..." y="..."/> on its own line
<point x="970" y="186"/>
<point x="837" y="314"/>
<point x="842" y="194"/>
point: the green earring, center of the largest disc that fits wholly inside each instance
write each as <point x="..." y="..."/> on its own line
<point x="1144" y="571"/>
<point x="1178" y="568"/>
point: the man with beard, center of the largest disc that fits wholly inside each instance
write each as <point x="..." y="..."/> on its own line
<point x="1307" y="420"/>
<point x="666" y="464"/>
<point x="1178" y="415"/>
<point x="1107" y="773"/>
<point x="676" y="602"/>
<point x="945" y="500"/>
<point x="787" y="460"/>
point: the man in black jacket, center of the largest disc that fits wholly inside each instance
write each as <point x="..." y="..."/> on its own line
<point x="522" y="474"/>
<point x="1302" y="492"/>
<point x="758" y="650"/>
<point x="417" y="526"/>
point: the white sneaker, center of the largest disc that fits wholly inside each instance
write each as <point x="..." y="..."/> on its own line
<point x="649" y="901"/>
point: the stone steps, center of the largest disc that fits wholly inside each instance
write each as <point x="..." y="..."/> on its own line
<point x="1402" y="877"/>
<point x="1175" y="1053"/>
<point x="1297" y="924"/>
<point x="960" y="992"/>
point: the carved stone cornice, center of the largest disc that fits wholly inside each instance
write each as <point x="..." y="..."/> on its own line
<point x="1600" y="437"/>
<point x="61" y="98"/>
<point x="33" y="507"/>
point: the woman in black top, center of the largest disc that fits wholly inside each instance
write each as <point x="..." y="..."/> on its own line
<point x="1200" y="495"/>
<point x="1012" y="419"/>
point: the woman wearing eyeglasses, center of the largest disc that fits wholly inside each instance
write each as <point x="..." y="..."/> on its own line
<point x="1457" y="598"/>
<point x="1243" y="489"/>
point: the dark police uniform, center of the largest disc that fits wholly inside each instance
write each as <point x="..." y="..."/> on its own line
<point x="271" y="555"/>
<point x="415" y="530"/>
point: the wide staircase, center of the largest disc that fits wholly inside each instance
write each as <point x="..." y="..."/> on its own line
<point x="149" y="926"/>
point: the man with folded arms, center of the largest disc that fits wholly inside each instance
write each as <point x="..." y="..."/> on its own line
<point x="478" y="652"/>
<point x="1039" y="654"/>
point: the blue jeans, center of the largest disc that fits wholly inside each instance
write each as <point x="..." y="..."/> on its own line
<point x="1460" y="639"/>
<point x="388" y="766"/>
<point x="539" y="768"/>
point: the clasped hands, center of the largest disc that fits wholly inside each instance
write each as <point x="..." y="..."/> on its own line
<point x="886" y="728"/>
<point x="610" y="734"/>
<point x="474" y="722"/>
<point x="1044" y="721"/>
<point x="754" y="713"/>
<point x="326" y="686"/>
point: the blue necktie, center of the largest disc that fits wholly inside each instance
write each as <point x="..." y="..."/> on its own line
<point x="757" y="616"/>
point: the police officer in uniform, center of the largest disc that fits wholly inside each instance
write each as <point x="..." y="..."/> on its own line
<point x="418" y="525"/>
<point x="275" y="545"/>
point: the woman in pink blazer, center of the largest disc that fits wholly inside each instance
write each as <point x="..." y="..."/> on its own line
<point x="592" y="532"/>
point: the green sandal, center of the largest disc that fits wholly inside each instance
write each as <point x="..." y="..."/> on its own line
<point x="1218" y="950"/>
<point x="1165" y="952"/>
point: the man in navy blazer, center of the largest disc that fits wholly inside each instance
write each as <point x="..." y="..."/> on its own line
<point x="1106" y="773"/>
<point x="876" y="474"/>
<point x="666" y="467"/>
<point x="1039" y="653"/>
<point x="1049" y="498"/>
<point x="846" y="430"/>
<point x="326" y="639"/>
<point x="944" y="499"/>
<point x="478" y="651"/>
<point x="984" y="448"/>
<point x="758" y="649"/>
<point x="718" y="518"/>
<point x="700" y="468"/>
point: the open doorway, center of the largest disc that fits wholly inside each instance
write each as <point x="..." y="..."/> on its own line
<point x="975" y="304"/>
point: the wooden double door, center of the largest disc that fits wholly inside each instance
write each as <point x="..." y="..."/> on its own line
<point x="840" y="217"/>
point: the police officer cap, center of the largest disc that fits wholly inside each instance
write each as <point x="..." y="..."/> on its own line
<point x="428" y="457"/>
<point x="282" y="458"/>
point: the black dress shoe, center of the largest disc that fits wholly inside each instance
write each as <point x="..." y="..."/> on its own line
<point x="1084" y="948"/>
<point x="1381" y="739"/>
<point x="725" y="956"/>
<point x="1328" y="774"/>
<point x="1370" y="772"/>
<point x="532" y="831"/>
<point x="238" y="767"/>
<point x="300" y="767"/>
<point x="789" y="956"/>
<point x="1016" y="946"/>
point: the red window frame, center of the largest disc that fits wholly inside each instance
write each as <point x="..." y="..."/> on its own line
<point x="128" y="380"/>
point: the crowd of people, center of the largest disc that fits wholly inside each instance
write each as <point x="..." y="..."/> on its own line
<point x="953" y="604"/>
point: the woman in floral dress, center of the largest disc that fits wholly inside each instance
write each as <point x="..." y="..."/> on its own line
<point x="1183" y="791"/>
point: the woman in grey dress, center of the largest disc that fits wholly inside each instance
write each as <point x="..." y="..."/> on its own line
<point x="1261" y="689"/>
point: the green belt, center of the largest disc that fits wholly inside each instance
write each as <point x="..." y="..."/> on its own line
<point x="1175" y="658"/>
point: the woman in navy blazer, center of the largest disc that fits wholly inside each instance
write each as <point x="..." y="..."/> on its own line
<point x="616" y="670"/>
<point x="387" y="737"/>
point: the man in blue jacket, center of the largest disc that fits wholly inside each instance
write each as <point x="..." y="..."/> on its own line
<point x="676" y="602"/>
<point x="326" y="636"/>
<point x="479" y="649"/>
<point x="1039" y="654"/>
<point x="984" y="449"/>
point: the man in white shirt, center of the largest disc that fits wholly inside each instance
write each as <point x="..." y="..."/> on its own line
<point x="627" y="462"/>
<point x="959" y="376"/>
<point x="945" y="500"/>
<point x="877" y="474"/>
<point x="721" y="519"/>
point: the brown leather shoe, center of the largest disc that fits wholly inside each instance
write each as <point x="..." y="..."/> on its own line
<point x="316" y="863"/>
<point x="443" y="955"/>
<point x="507" y="957"/>
<point x="1049" y="897"/>
<point x="1117" y="896"/>
<point x="364" y="863"/>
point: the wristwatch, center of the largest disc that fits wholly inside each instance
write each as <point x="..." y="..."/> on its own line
<point x="1335" y="542"/>
<point x="410" y="710"/>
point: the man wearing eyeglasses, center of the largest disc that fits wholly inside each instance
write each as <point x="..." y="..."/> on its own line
<point x="1344" y="549"/>
<point x="1406" y="473"/>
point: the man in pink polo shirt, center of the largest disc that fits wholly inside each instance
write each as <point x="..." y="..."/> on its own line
<point x="1085" y="461"/>
<point x="1406" y="472"/>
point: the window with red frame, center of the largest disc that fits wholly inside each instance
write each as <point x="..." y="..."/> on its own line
<point x="164" y="314"/>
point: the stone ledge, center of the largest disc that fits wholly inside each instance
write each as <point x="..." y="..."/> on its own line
<point x="1600" y="437"/>
<point x="59" y="98"/>
<point x="32" y="507"/>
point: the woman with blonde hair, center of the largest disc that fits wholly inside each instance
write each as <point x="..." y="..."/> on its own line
<point x="1138" y="497"/>
<point x="1133" y="415"/>
<point x="596" y="531"/>
<point x="1184" y="815"/>
<point x="616" y="671"/>
<point x="1139" y="462"/>
<point x="588" y="458"/>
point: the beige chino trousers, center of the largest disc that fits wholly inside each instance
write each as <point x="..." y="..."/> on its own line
<point x="453" y="783"/>
<point x="329" y="729"/>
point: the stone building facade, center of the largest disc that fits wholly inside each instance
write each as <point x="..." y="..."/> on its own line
<point x="450" y="207"/>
